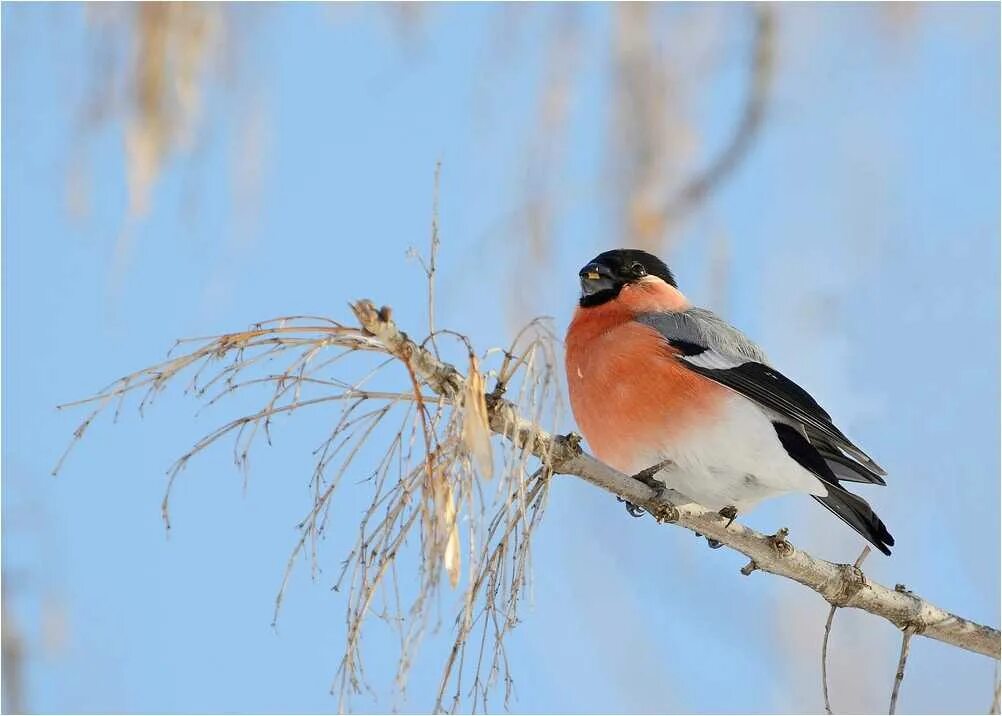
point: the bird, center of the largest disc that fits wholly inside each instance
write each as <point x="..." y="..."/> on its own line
<point x="674" y="395"/>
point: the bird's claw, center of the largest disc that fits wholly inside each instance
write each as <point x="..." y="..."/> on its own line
<point x="663" y="511"/>
<point x="729" y="512"/>
<point x="646" y="476"/>
<point x="714" y="544"/>
<point x="632" y="509"/>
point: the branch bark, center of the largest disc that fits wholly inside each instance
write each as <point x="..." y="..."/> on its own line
<point x="841" y="585"/>
<point x="899" y="675"/>
<point x="827" y="636"/>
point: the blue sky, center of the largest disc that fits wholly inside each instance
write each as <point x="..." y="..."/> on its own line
<point x="864" y="239"/>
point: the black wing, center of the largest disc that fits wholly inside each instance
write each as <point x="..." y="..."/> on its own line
<point x="770" y="388"/>
<point x="850" y="508"/>
<point x="706" y="344"/>
<point x="713" y="348"/>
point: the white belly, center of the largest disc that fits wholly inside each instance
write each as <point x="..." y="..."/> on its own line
<point x="736" y="460"/>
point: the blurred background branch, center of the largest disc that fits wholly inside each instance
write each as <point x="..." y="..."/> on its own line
<point x="761" y="71"/>
<point x="13" y="661"/>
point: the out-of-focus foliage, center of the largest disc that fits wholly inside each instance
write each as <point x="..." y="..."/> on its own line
<point x="154" y="65"/>
<point x="151" y="67"/>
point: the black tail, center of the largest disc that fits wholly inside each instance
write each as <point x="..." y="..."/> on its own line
<point x="830" y="466"/>
<point x="842" y="466"/>
<point x="854" y="511"/>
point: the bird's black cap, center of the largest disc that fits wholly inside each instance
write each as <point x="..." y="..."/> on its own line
<point x="604" y="276"/>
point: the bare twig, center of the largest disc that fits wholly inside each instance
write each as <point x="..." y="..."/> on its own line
<point x="432" y="267"/>
<point x="426" y="484"/>
<point x="828" y="631"/>
<point x="996" y="692"/>
<point x="899" y="675"/>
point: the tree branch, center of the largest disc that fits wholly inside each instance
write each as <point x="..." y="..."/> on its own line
<point x="841" y="585"/>
<point x="899" y="675"/>
<point x="996" y="694"/>
<point x="827" y="636"/>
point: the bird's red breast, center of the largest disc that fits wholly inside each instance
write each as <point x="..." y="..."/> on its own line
<point x="629" y="395"/>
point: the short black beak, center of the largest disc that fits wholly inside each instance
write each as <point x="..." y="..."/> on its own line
<point x="595" y="278"/>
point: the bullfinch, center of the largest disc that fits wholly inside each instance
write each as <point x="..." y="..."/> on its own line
<point x="672" y="393"/>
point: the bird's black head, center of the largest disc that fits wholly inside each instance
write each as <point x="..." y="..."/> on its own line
<point x="605" y="275"/>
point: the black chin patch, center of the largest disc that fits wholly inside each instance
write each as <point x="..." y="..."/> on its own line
<point x="599" y="297"/>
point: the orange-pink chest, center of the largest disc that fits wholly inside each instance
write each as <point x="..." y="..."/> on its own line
<point x="630" y="396"/>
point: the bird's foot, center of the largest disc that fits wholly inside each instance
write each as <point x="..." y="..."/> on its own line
<point x="663" y="510"/>
<point x="646" y="476"/>
<point x="714" y="544"/>
<point x="730" y="512"/>
<point x="632" y="509"/>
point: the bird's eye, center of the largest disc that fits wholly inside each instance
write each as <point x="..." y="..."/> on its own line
<point x="637" y="269"/>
